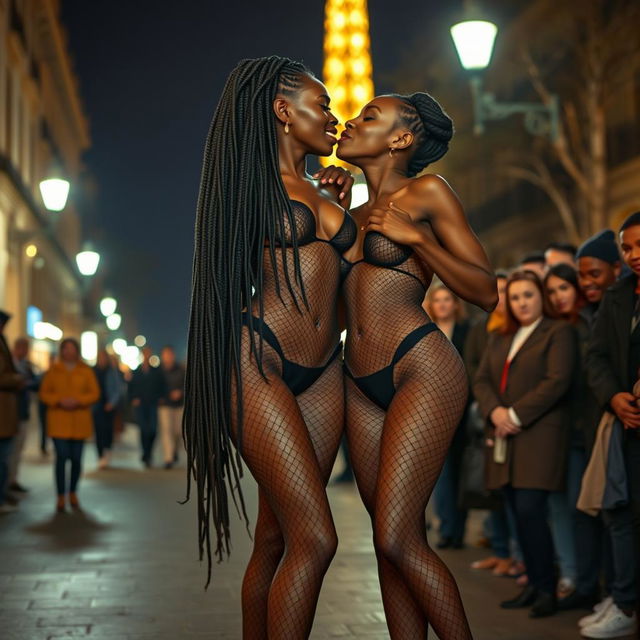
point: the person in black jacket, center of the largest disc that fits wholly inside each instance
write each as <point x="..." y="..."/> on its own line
<point x="146" y="389"/>
<point x="613" y="367"/>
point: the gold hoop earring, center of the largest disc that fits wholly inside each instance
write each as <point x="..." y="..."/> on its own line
<point x="391" y="150"/>
<point x="286" y="127"/>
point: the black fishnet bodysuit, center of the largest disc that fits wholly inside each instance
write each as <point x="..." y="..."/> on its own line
<point x="290" y="440"/>
<point x="397" y="453"/>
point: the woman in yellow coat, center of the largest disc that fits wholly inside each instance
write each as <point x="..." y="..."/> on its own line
<point x="69" y="389"/>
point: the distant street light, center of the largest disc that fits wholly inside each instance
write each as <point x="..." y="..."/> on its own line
<point x="89" y="346"/>
<point x="87" y="262"/>
<point x="140" y="341"/>
<point x="55" y="192"/>
<point x="119" y="345"/>
<point x="474" y="41"/>
<point x="108" y="306"/>
<point x="114" y="321"/>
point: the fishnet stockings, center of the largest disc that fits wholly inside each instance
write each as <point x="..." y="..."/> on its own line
<point x="397" y="456"/>
<point x="289" y="444"/>
<point x="322" y="408"/>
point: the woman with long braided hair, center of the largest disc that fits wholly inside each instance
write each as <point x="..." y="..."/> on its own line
<point x="406" y="384"/>
<point x="262" y="369"/>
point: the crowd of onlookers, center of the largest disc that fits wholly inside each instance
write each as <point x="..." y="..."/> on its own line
<point x="77" y="402"/>
<point x="550" y="442"/>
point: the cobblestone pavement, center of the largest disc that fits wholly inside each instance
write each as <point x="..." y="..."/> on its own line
<point x="126" y="567"/>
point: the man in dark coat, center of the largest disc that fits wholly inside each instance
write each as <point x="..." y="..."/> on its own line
<point x="146" y="389"/>
<point x="613" y="367"/>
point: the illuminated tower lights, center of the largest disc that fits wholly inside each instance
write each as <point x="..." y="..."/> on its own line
<point x="347" y="59"/>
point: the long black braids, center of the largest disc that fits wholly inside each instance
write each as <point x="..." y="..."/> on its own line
<point x="243" y="209"/>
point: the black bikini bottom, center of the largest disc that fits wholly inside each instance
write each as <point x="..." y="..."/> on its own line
<point x="378" y="386"/>
<point x="297" y="377"/>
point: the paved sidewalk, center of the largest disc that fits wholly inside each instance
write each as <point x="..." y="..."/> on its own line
<point x="126" y="568"/>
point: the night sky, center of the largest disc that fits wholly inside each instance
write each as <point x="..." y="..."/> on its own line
<point x="150" y="76"/>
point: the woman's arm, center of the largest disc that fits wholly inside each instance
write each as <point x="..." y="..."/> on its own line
<point x="48" y="392"/>
<point x="447" y="245"/>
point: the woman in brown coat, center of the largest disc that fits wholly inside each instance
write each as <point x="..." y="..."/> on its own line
<point x="521" y="387"/>
<point x="69" y="389"/>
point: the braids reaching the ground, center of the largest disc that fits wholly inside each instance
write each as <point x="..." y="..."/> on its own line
<point x="431" y="126"/>
<point x="242" y="208"/>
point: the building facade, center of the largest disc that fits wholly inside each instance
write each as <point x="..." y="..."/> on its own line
<point x="43" y="128"/>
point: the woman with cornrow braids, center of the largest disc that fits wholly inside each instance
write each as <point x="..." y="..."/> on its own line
<point x="406" y="385"/>
<point x="263" y="371"/>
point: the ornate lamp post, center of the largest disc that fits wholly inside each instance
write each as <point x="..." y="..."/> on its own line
<point x="474" y="40"/>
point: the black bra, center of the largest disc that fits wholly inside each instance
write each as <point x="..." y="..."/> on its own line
<point x="379" y="251"/>
<point x="382" y="252"/>
<point x="305" y="229"/>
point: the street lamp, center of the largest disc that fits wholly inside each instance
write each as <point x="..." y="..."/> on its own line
<point x="474" y="40"/>
<point x="114" y="321"/>
<point x="88" y="261"/>
<point x="108" y="306"/>
<point x="55" y="192"/>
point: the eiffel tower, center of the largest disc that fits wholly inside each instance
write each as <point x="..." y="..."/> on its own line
<point x="347" y="59"/>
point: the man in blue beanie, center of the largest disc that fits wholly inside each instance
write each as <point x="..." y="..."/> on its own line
<point x="598" y="268"/>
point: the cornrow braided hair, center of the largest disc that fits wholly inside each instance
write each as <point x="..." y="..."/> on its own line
<point x="431" y="126"/>
<point x="243" y="210"/>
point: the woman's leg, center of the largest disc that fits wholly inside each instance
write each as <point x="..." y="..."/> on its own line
<point x="75" y="447"/>
<point x="365" y="420"/>
<point x="323" y="412"/>
<point x="431" y="395"/>
<point x="62" y="455"/>
<point x="277" y="448"/>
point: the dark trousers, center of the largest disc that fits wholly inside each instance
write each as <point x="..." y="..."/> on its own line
<point x="42" y="418"/>
<point x="6" y="445"/>
<point x="592" y="541"/>
<point x="623" y="525"/>
<point x="147" y="419"/>
<point x="103" y="428"/>
<point x="68" y="451"/>
<point x="534" y="535"/>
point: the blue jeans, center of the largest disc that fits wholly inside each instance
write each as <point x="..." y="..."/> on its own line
<point x="503" y="534"/>
<point x="6" y="444"/>
<point x="67" y="450"/>
<point x="147" y="419"/>
<point x="592" y="540"/>
<point x="623" y="525"/>
<point x="445" y="494"/>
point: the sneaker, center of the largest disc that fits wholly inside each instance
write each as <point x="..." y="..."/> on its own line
<point x="613" y="624"/>
<point x="5" y="507"/>
<point x="598" y="612"/>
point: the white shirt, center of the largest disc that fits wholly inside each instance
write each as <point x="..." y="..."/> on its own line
<point x="521" y="336"/>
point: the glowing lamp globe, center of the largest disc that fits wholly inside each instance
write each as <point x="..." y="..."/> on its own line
<point x="474" y="41"/>
<point x="87" y="262"/>
<point x="55" y="192"/>
<point x="114" y="321"/>
<point x="108" y="306"/>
